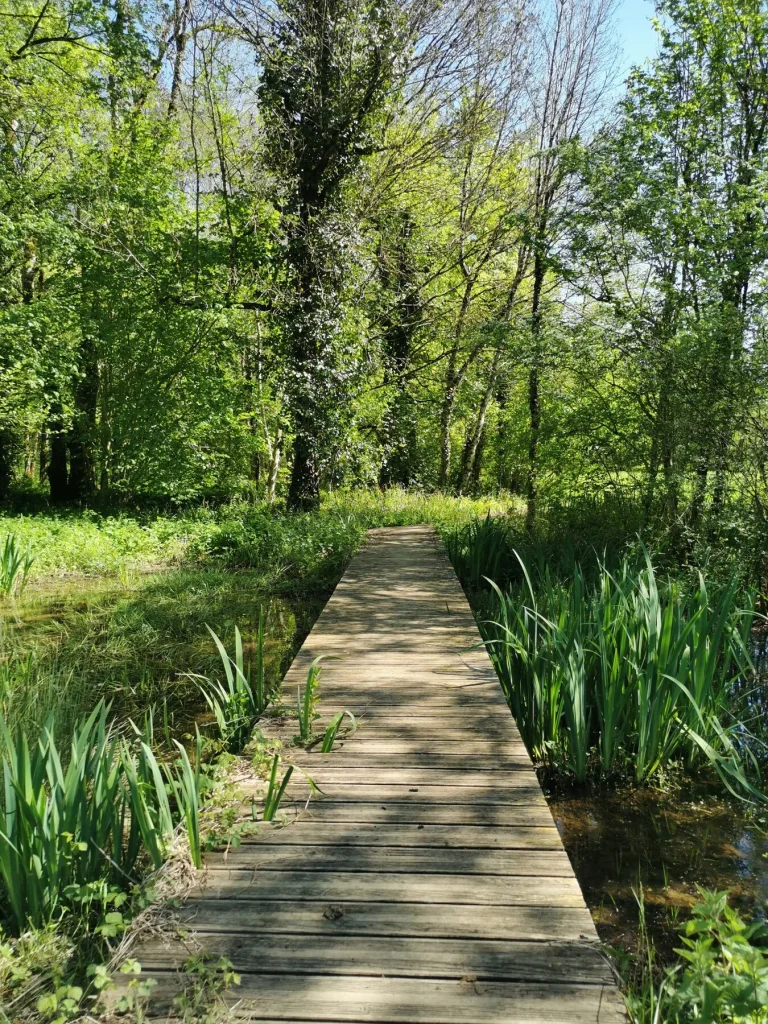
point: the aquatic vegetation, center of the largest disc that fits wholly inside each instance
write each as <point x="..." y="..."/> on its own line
<point x="15" y="566"/>
<point x="626" y="673"/>
<point x="236" y="704"/>
<point x="89" y="813"/>
<point x="722" y="977"/>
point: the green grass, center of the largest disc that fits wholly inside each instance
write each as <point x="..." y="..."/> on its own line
<point x="286" y="549"/>
<point x="619" y="672"/>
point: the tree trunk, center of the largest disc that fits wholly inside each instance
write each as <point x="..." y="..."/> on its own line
<point x="274" y="465"/>
<point x="82" y="474"/>
<point x="180" y="37"/>
<point x="473" y="441"/>
<point x="446" y="416"/>
<point x="477" y="462"/>
<point x="534" y="402"/>
<point x="57" y="458"/>
<point x="304" y="491"/>
<point x="398" y="274"/>
<point x="7" y="455"/>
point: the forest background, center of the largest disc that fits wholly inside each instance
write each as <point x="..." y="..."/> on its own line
<point x="269" y="249"/>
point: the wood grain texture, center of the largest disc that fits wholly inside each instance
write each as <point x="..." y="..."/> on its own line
<point x="426" y="883"/>
<point x="464" y="1000"/>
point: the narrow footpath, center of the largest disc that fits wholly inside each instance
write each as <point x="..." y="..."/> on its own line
<point x="428" y="883"/>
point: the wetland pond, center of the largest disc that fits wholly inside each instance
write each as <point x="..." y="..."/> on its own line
<point x="138" y="642"/>
<point x="663" y="843"/>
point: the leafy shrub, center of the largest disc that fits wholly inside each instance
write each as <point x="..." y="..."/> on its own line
<point x="723" y="976"/>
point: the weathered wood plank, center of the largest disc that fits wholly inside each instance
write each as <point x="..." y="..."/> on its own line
<point x="545" y="863"/>
<point x="324" y="775"/>
<point x="291" y="997"/>
<point x="487" y="815"/>
<point x="307" y="832"/>
<point x="395" y="888"/>
<point x="525" y="788"/>
<point x="451" y="762"/>
<point x="435" y="920"/>
<point x="487" y="960"/>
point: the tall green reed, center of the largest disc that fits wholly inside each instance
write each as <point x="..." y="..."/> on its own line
<point x="628" y="672"/>
<point x="15" y="565"/>
<point x="99" y="809"/>
<point x="236" y="703"/>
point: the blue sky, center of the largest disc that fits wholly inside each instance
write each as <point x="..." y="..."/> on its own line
<point x="636" y="34"/>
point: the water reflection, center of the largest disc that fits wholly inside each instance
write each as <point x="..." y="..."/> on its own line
<point x="665" y="843"/>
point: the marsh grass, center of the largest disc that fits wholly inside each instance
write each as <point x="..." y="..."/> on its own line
<point x="141" y="647"/>
<point x="332" y="729"/>
<point x="15" y="566"/>
<point x="236" y="703"/>
<point x="74" y="817"/>
<point x="275" y="790"/>
<point x="626" y="672"/>
<point x="306" y="701"/>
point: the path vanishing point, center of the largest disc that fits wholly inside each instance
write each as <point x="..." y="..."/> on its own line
<point x="428" y="885"/>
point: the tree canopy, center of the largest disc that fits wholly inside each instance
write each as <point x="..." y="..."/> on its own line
<point x="285" y="246"/>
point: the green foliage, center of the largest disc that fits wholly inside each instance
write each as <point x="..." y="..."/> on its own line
<point x="78" y="823"/>
<point x="237" y="705"/>
<point x="629" y="672"/>
<point x="722" y="977"/>
<point x="275" y="790"/>
<point x="333" y="727"/>
<point x="201" y="1000"/>
<point x="15" y="566"/>
<point x="306" y="701"/>
<point x="70" y="823"/>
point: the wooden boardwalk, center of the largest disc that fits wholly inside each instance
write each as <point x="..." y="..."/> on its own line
<point x="428" y="884"/>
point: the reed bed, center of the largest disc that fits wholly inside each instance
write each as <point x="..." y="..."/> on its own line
<point x="617" y="673"/>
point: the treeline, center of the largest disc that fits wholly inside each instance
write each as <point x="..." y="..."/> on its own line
<point x="290" y="245"/>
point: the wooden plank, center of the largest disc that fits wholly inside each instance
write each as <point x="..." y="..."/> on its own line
<point x="436" y="920"/>
<point x="525" y="791"/>
<point x="401" y="957"/>
<point x="404" y="729"/>
<point x="330" y="886"/>
<point x="307" y="832"/>
<point x="290" y="997"/>
<point x="428" y="778"/>
<point x="487" y="815"/>
<point x="427" y="884"/>
<point x="431" y="860"/>
<point x="433" y="745"/>
<point x="451" y="762"/>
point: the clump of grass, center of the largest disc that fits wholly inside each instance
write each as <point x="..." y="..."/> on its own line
<point x="306" y="701"/>
<point x="236" y="704"/>
<point x="74" y="819"/>
<point x="15" y="566"/>
<point x="333" y="727"/>
<point x="275" y="790"/>
<point x="629" y="672"/>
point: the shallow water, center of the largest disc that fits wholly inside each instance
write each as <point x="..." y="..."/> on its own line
<point x="663" y="844"/>
<point x="138" y="642"/>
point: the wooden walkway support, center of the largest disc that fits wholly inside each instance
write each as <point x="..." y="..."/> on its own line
<point x="429" y="883"/>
